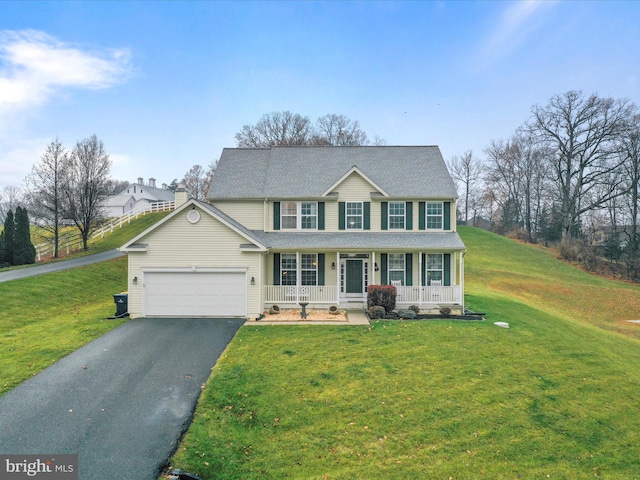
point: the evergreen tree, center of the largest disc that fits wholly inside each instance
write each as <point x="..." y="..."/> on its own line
<point x="24" y="252"/>
<point x="2" y="253"/>
<point x="9" y="237"/>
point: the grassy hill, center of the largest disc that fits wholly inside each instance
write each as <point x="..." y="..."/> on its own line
<point x="554" y="396"/>
<point x="46" y="317"/>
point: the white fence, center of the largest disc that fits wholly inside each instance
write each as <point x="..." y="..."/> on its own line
<point x="71" y="242"/>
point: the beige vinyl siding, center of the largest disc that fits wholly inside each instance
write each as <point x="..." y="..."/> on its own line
<point x="354" y="188"/>
<point x="179" y="243"/>
<point x="248" y="213"/>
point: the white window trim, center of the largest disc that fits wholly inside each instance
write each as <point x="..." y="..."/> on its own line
<point x="404" y="216"/>
<point x="404" y="268"/>
<point x="314" y="269"/>
<point x="347" y="215"/>
<point x="298" y="216"/>
<point x="427" y="269"/>
<point x="426" y="216"/>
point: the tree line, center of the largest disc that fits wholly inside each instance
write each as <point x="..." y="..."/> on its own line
<point x="570" y="174"/>
<point x="70" y="186"/>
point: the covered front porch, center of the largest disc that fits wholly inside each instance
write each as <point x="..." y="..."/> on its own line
<point x="426" y="279"/>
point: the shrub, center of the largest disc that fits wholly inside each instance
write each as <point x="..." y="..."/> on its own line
<point x="376" y="312"/>
<point x="384" y="295"/>
<point x="445" y="311"/>
<point x="407" y="314"/>
<point x="415" y="309"/>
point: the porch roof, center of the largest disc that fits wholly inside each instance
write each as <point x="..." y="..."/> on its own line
<point x="362" y="240"/>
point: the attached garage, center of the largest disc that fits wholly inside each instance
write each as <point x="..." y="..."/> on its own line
<point x="195" y="293"/>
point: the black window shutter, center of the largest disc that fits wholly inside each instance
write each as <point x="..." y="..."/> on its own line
<point x="276" y="215"/>
<point x="366" y="213"/>
<point x="384" y="278"/>
<point x="447" y="270"/>
<point x="384" y="216"/>
<point x="424" y="269"/>
<point x="422" y="215"/>
<point x="320" y="215"/>
<point x="408" y="269"/>
<point x="321" y="269"/>
<point x="341" y="215"/>
<point x="408" y="216"/>
<point x="446" y="211"/>
<point x="276" y="269"/>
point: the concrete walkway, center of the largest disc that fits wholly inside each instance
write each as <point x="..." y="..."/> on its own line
<point x="58" y="266"/>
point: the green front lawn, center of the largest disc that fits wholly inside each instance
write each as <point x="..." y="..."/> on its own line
<point x="554" y="396"/>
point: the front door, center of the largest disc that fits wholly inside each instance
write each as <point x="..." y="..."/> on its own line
<point x="353" y="281"/>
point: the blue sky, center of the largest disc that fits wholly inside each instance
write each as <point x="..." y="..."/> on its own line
<point x="167" y="85"/>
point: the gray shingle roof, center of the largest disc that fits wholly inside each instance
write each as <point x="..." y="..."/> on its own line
<point x="290" y="172"/>
<point x="361" y="240"/>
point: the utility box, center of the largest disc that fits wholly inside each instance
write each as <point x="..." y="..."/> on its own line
<point x="122" y="304"/>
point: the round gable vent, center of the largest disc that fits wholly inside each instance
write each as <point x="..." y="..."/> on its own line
<point x="193" y="216"/>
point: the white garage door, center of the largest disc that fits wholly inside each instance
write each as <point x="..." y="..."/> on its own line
<point x="195" y="294"/>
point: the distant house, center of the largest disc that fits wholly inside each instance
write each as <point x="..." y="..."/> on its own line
<point x="314" y="225"/>
<point x="138" y="196"/>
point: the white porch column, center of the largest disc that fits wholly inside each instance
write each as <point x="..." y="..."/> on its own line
<point x="298" y="276"/>
<point x="461" y="281"/>
<point x="420" y="278"/>
<point x="372" y="267"/>
<point x="338" y="278"/>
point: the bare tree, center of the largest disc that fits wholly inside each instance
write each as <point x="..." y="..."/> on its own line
<point x="197" y="181"/>
<point x="10" y="198"/>
<point x="277" y="128"/>
<point x="45" y="186"/>
<point x="582" y="135"/>
<point x="88" y="185"/>
<point x="467" y="170"/>
<point x="339" y="130"/>
<point x="286" y="128"/>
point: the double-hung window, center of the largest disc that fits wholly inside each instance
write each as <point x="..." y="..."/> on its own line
<point x="289" y="215"/>
<point x="309" y="269"/>
<point x="308" y="215"/>
<point x="435" y="267"/>
<point x="299" y="215"/>
<point x="434" y="215"/>
<point x="354" y="215"/>
<point x="396" y="215"/>
<point x="396" y="267"/>
<point x="288" y="269"/>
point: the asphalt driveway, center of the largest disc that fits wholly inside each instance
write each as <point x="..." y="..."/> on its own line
<point x="121" y="402"/>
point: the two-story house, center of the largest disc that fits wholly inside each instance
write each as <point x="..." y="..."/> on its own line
<point x="286" y="225"/>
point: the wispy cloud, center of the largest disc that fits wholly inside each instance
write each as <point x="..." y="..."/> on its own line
<point x="35" y="66"/>
<point x="34" y="69"/>
<point x="517" y="23"/>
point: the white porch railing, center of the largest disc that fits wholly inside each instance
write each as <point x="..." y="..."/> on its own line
<point x="422" y="295"/>
<point x="328" y="294"/>
<point x="299" y="293"/>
